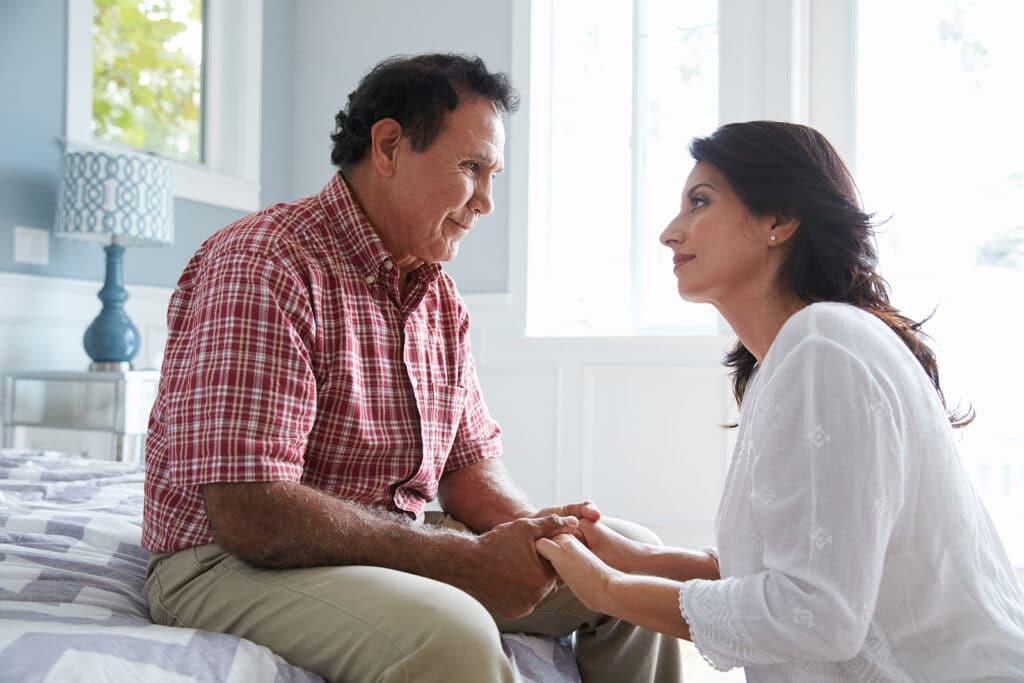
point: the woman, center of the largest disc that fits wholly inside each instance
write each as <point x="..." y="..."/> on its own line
<point x="851" y="545"/>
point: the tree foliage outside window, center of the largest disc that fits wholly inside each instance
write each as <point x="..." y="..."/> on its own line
<point x="147" y="75"/>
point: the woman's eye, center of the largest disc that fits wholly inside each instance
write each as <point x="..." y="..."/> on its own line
<point x="697" y="201"/>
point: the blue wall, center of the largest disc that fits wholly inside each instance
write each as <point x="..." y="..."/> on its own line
<point x="33" y="35"/>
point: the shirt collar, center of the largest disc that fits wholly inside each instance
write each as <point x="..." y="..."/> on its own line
<point x="360" y="243"/>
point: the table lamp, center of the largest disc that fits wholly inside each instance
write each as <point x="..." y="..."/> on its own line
<point x="121" y="199"/>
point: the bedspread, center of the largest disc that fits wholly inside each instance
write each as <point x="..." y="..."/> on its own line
<point x="72" y="603"/>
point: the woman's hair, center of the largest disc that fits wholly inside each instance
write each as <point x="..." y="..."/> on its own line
<point x="418" y="92"/>
<point x="791" y="170"/>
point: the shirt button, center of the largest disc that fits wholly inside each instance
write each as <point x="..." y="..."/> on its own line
<point x="388" y="265"/>
<point x="370" y="279"/>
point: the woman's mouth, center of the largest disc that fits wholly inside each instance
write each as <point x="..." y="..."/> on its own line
<point x="680" y="259"/>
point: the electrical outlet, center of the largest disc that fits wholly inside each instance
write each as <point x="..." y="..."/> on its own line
<point x="31" y="245"/>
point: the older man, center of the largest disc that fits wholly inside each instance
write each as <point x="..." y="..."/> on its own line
<point x="318" y="391"/>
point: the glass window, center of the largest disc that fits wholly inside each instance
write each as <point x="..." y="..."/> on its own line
<point x="148" y="75"/>
<point x="940" y="155"/>
<point x="628" y="85"/>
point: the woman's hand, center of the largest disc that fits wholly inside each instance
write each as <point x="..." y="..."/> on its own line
<point x="585" y="575"/>
<point x="612" y="547"/>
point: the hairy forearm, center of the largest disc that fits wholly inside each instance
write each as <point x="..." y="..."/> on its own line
<point x="285" y="524"/>
<point x="482" y="496"/>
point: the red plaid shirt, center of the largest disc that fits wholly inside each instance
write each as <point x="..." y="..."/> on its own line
<point x="291" y="356"/>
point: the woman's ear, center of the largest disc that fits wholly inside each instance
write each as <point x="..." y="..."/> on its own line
<point x="783" y="228"/>
<point x="385" y="136"/>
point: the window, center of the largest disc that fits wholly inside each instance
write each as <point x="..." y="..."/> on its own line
<point x="626" y="86"/>
<point x="179" y="78"/>
<point x="941" y="155"/>
<point x="147" y="60"/>
<point x="924" y="102"/>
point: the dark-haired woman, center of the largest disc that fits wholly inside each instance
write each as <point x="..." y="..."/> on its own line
<point x="851" y="545"/>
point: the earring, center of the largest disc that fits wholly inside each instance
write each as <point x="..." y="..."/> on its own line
<point x="772" y="238"/>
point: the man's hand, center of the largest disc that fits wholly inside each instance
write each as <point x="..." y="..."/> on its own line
<point x="581" y="511"/>
<point x="585" y="511"/>
<point x="586" y="575"/>
<point x="507" y="576"/>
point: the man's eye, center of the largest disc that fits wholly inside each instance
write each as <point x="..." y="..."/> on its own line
<point x="473" y="166"/>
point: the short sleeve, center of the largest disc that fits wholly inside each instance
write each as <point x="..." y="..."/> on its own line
<point x="478" y="436"/>
<point x="242" y="396"/>
<point x="826" y="482"/>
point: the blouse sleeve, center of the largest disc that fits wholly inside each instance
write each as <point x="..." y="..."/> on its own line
<point x="826" y="482"/>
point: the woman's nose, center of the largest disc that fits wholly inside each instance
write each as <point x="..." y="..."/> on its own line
<point x="671" y="235"/>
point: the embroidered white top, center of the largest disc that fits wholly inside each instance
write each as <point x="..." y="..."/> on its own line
<point x="851" y="543"/>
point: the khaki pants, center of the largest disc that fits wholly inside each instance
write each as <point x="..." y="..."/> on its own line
<point x="360" y="624"/>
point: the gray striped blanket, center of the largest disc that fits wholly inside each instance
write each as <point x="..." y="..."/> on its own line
<point x="72" y="606"/>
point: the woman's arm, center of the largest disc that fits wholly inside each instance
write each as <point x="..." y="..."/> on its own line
<point x="633" y="557"/>
<point x="648" y="601"/>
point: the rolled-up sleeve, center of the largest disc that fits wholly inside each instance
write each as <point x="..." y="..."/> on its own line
<point x="826" y="482"/>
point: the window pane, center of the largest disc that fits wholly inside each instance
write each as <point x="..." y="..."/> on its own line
<point x="147" y="75"/>
<point x="603" y="271"/>
<point x="940" y="150"/>
<point x="585" y="272"/>
<point x="678" y="72"/>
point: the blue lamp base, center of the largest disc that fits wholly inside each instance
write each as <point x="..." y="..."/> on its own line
<point x="112" y="337"/>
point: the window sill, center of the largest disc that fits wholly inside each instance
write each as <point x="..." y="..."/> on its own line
<point x="203" y="185"/>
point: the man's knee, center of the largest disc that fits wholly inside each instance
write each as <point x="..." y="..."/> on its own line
<point x="462" y="643"/>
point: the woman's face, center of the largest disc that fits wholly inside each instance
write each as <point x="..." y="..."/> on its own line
<point x="720" y="250"/>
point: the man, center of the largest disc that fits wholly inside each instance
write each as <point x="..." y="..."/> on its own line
<point x="318" y="391"/>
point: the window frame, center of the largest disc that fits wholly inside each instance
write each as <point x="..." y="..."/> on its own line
<point x="233" y="37"/>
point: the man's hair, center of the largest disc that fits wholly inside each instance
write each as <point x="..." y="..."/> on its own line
<point x="417" y="92"/>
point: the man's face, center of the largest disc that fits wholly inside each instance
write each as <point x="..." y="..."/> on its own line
<point x="438" y="194"/>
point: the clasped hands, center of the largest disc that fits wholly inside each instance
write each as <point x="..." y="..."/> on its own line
<point x="529" y="555"/>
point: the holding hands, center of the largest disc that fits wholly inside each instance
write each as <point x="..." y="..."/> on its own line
<point x="585" y="574"/>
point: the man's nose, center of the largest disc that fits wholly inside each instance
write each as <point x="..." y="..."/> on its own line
<point x="482" y="201"/>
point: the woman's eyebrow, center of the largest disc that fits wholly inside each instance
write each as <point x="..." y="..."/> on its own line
<point x="698" y="185"/>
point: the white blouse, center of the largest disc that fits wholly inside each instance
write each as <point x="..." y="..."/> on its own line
<point x="850" y="541"/>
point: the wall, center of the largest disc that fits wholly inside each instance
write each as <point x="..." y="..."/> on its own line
<point x="337" y="43"/>
<point x="32" y="37"/>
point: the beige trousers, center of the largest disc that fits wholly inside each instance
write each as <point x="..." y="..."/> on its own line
<point x="359" y="624"/>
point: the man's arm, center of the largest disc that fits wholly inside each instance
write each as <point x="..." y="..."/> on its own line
<point x="482" y="495"/>
<point x="285" y="524"/>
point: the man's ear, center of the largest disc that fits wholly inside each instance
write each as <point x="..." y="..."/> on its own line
<point x="385" y="136"/>
<point x="783" y="228"/>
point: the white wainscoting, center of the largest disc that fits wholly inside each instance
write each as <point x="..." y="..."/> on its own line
<point x="42" y="320"/>
<point x="634" y="424"/>
<point x="630" y="423"/>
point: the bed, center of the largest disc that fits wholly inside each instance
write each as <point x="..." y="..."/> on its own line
<point x="72" y="606"/>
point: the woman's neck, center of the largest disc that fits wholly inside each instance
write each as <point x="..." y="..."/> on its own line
<point x="757" y="321"/>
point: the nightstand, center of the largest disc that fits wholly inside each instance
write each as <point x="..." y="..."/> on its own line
<point x="98" y="414"/>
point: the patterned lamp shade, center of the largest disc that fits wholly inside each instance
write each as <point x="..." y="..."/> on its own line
<point x="121" y="198"/>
